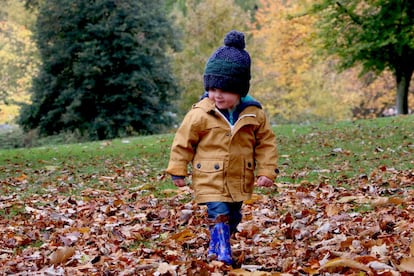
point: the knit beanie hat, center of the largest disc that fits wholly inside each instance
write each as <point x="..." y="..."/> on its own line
<point x="228" y="68"/>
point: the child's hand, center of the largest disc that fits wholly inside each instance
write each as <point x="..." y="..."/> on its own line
<point x="179" y="182"/>
<point x="264" y="181"/>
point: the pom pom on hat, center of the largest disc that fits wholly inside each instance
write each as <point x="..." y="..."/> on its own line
<point x="235" y="39"/>
<point x="228" y="68"/>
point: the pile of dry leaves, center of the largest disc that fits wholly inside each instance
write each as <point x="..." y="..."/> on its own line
<point x="302" y="230"/>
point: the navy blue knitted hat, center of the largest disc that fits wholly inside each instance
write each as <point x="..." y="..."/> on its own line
<point x="228" y="68"/>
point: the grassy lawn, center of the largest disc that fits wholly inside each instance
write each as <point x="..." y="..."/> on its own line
<point x="343" y="202"/>
<point x="347" y="149"/>
<point x="310" y="153"/>
<point x="131" y="162"/>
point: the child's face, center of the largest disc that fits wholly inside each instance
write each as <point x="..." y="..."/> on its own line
<point x="223" y="99"/>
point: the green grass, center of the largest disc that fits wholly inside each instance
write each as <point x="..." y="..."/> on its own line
<point x="346" y="149"/>
<point x="133" y="162"/>
<point x="312" y="154"/>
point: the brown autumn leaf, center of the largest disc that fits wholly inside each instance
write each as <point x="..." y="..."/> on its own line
<point x="184" y="235"/>
<point x="407" y="265"/>
<point x="351" y="198"/>
<point x="344" y="262"/>
<point x="61" y="255"/>
<point x="396" y="200"/>
<point x="412" y="248"/>
<point x="21" y="178"/>
<point x="332" y="210"/>
<point x="255" y="198"/>
<point x="243" y="272"/>
<point x="165" y="268"/>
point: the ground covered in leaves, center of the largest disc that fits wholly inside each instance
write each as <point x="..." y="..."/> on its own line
<point x="301" y="229"/>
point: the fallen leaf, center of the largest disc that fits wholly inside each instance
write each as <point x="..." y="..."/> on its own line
<point x="347" y="199"/>
<point x="21" y="178"/>
<point x="412" y="248"/>
<point x="183" y="235"/>
<point x="253" y="199"/>
<point x="407" y="265"/>
<point x="380" y="250"/>
<point x="396" y="200"/>
<point x="242" y="272"/>
<point x="331" y="210"/>
<point x="378" y="266"/>
<point x="165" y="268"/>
<point x="344" y="262"/>
<point x="61" y="255"/>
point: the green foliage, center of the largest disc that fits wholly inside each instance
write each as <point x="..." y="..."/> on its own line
<point x="247" y="5"/>
<point x="105" y="72"/>
<point x="377" y="34"/>
<point x="203" y="33"/>
<point x="33" y="4"/>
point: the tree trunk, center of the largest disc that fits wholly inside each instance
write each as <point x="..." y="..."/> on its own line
<point x="403" y="78"/>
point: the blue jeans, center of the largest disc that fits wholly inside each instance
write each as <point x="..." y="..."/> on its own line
<point x="230" y="209"/>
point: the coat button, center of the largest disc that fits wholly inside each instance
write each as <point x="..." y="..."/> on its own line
<point x="198" y="166"/>
<point x="216" y="166"/>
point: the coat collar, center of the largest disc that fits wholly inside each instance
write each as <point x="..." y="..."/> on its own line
<point x="206" y="104"/>
<point x="244" y="101"/>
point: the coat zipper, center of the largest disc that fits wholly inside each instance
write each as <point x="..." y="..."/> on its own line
<point x="240" y="117"/>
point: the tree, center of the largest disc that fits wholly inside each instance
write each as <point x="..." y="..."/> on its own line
<point x="293" y="83"/>
<point x="104" y="72"/>
<point x="203" y="33"/>
<point x="18" y="58"/>
<point x="377" y="34"/>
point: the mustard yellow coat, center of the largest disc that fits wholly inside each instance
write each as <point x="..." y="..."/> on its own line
<point x="224" y="158"/>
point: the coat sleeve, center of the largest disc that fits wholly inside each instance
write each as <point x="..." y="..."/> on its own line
<point x="183" y="146"/>
<point x="266" y="154"/>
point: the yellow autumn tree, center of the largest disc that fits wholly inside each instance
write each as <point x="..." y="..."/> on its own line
<point x="293" y="84"/>
<point x="18" y="58"/>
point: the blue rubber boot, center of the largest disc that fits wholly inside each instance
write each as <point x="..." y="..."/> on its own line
<point x="213" y="246"/>
<point x="222" y="231"/>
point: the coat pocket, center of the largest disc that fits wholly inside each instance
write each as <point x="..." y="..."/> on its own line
<point x="248" y="183"/>
<point x="208" y="176"/>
